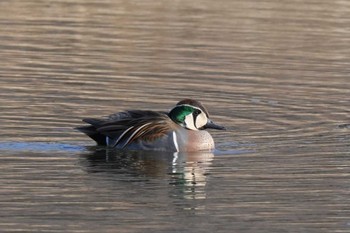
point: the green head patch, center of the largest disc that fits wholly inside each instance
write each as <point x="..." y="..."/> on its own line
<point x="179" y="113"/>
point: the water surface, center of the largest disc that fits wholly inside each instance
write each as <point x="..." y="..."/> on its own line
<point x="275" y="73"/>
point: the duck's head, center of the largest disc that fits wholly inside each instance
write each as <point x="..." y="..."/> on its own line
<point x="192" y="115"/>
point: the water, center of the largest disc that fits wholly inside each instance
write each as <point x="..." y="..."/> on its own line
<point x="275" y="73"/>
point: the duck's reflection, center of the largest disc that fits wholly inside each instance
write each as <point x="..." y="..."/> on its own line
<point x="189" y="171"/>
<point x="185" y="172"/>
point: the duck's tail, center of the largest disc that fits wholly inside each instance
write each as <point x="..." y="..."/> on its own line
<point x="91" y="131"/>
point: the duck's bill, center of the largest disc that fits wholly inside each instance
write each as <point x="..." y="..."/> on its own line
<point x="212" y="125"/>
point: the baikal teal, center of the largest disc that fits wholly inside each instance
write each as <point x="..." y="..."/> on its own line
<point x="182" y="129"/>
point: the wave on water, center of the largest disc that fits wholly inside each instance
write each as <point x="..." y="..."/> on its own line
<point x="40" y="146"/>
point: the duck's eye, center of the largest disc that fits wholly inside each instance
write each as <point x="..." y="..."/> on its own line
<point x="196" y="112"/>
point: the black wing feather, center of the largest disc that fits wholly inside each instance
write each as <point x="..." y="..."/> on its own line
<point x="115" y="125"/>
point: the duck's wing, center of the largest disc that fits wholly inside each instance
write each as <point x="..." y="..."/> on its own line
<point x="134" y="114"/>
<point x="123" y="128"/>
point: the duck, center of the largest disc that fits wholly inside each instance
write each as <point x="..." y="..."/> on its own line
<point x="182" y="129"/>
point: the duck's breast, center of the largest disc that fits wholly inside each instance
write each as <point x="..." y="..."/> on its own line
<point x="191" y="140"/>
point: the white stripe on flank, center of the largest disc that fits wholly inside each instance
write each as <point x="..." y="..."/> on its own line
<point x="175" y="141"/>
<point x="120" y="137"/>
<point x="132" y="135"/>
